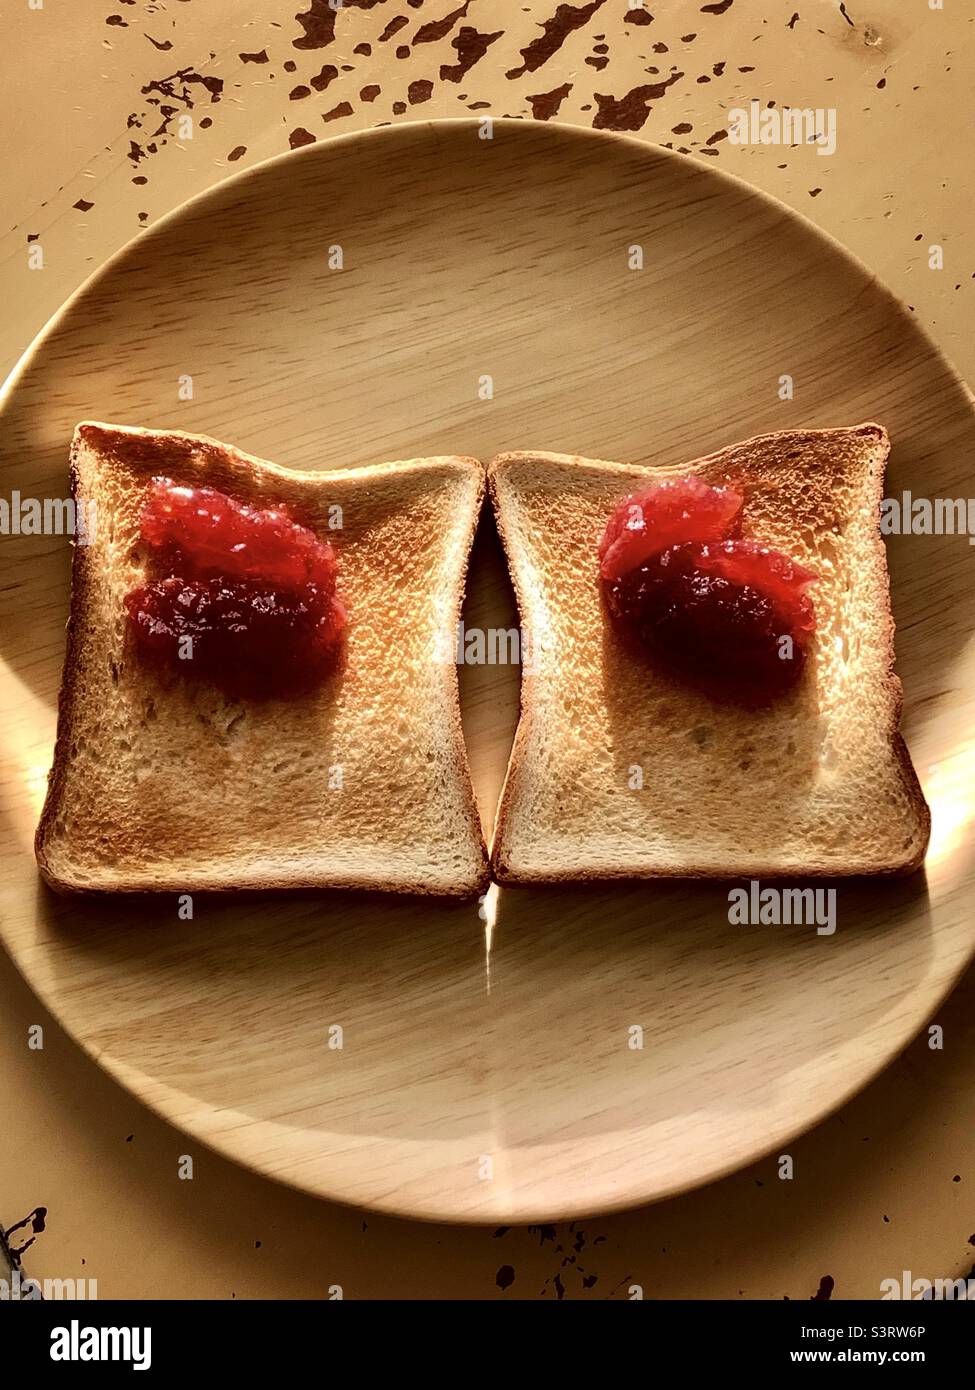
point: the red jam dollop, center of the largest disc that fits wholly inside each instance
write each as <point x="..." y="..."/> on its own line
<point x="726" y="613"/>
<point x="252" y="589"/>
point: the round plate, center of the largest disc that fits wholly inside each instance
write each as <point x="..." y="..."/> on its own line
<point x="487" y="1071"/>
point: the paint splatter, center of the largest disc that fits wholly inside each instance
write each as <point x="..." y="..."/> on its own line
<point x="83" y="205"/>
<point x="35" y="1222"/>
<point x="254" y="57"/>
<point x="319" y="25"/>
<point x="237" y="153"/>
<point x="505" y="1277"/>
<point x="545" y="105"/>
<point x="393" y="27"/>
<point x="555" y="31"/>
<point x="470" y="46"/>
<point x="440" y="28"/>
<point x="299" y="136"/>
<point x="337" y="112"/>
<point x="630" y="112"/>
<point x="419" y="91"/>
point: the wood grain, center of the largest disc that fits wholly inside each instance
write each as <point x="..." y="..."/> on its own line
<point x="464" y="258"/>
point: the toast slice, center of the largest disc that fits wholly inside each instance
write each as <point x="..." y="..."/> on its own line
<point x="167" y="784"/>
<point x="618" y="771"/>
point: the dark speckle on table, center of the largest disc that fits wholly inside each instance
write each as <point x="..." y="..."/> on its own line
<point x="393" y="27"/>
<point x="437" y="29"/>
<point x="471" y="46"/>
<point x="630" y="112"/>
<point x="321" y="79"/>
<point x="555" y="31"/>
<point x="318" y="24"/>
<point x="545" y="105"/>
<point x="25" y="1231"/>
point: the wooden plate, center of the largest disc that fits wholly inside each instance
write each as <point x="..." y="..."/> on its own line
<point x="487" y="1072"/>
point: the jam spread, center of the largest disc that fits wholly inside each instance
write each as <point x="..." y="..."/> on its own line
<point x="253" y="591"/>
<point x="728" y="614"/>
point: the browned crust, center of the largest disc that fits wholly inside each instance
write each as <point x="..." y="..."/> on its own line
<point x="502" y="871"/>
<point x="131" y="439"/>
<point x="457" y="728"/>
<point x="66" y="697"/>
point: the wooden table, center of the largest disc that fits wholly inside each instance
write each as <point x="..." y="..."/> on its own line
<point x="118" y="115"/>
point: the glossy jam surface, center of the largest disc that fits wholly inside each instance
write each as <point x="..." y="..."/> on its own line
<point x="666" y="514"/>
<point x="728" y="614"/>
<point x="235" y="595"/>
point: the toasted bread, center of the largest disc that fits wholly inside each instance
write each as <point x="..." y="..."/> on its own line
<point x="166" y="784"/>
<point x="619" y="771"/>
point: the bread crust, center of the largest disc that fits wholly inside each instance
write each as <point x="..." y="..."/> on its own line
<point x="739" y="459"/>
<point x="122" y="446"/>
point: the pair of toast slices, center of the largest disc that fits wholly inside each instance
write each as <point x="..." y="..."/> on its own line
<point x="616" y="771"/>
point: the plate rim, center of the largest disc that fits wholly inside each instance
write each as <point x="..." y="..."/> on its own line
<point x="558" y="129"/>
<point x="517" y="1211"/>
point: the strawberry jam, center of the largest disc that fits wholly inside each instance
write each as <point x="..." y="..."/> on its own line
<point x="727" y="614"/>
<point x="242" y="597"/>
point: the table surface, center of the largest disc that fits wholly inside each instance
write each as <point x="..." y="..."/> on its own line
<point x="96" y="99"/>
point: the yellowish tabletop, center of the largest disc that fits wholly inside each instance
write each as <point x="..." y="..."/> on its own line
<point x="115" y="114"/>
